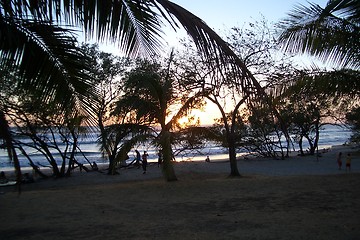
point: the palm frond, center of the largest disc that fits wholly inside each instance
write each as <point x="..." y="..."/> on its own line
<point x="346" y="9"/>
<point x="48" y="61"/>
<point x="185" y="107"/>
<point x="211" y="45"/>
<point x="332" y="33"/>
<point x="132" y="24"/>
<point x="136" y="25"/>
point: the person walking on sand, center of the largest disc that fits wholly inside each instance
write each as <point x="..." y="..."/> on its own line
<point x="348" y="162"/>
<point x="339" y="161"/>
<point x="144" y="161"/>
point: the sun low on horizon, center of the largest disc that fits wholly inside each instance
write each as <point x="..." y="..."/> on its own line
<point x="204" y="117"/>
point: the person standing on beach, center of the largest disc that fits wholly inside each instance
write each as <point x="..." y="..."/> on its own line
<point x="144" y="161"/>
<point x="348" y="162"/>
<point x="3" y="178"/>
<point x="339" y="161"/>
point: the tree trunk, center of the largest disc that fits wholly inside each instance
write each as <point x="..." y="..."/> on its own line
<point x="112" y="166"/>
<point x="234" y="172"/>
<point x="311" y="146"/>
<point x="167" y="167"/>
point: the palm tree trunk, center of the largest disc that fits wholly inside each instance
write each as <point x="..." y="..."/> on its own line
<point x="5" y="135"/>
<point x="167" y="167"/>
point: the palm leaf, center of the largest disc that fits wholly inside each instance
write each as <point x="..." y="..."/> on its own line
<point x="133" y="24"/>
<point x="332" y="33"/>
<point x="136" y="26"/>
<point x="48" y="61"/>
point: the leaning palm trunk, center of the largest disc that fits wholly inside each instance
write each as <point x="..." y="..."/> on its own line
<point x="6" y="136"/>
<point x="167" y="167"/>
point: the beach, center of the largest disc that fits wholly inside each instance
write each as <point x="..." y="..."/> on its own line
<point x="297" y="198"/>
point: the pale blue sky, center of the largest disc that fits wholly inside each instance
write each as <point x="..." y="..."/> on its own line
<point x="228" y="13"/>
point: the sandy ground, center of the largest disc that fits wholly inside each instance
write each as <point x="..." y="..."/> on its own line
<point x="297" y="198"/>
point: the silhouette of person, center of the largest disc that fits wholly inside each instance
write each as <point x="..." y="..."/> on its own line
<point x="27" y="178"/>
<point x="3" y="178"/>
<point x="95" y="166"/>
<point x="339" y="161"/>
<point x="348" y="162"/>
<point x="144" y="161"/>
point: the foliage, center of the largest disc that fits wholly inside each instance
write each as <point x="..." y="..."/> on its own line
<point x="106" y="71"/>
<point x="46" y="132"/>
<point x="34" y="28"/>
<point x="258" y="50"/>
<point x="256" y="46"/>
<point x="264" y="134"/>
<point x="43" y="60"/>
<point x="330" y="33"/>
<point x="315" y="99"/>
<point x="118" y="139"/>
<point x="353" y="118"/>
<point x="152" y="97"/>
<point x="57" y="74"/>
<point x="191" y="139"/>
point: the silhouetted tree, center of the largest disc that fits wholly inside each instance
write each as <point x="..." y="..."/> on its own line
<point x="152" y="96"/>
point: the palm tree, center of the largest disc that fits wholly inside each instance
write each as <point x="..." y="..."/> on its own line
<point x="151" y="94"/>
<point x="42" y="59"/>
<point x="116" y="141"/>
<point x="33" y="41"/>
<point x="331" y="33"/>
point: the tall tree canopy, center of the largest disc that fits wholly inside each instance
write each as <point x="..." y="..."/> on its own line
<point x="135" y="25"/>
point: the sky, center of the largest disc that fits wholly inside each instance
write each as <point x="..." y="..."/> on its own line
<point x="217" y="13"/>
<point x="225" y="14"/>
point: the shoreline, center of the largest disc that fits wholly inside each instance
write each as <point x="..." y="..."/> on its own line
<point x="242" y="158"/>
<point x="247" y="166"/>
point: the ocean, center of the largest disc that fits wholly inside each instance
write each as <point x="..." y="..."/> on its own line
<point x="329" y="136"/>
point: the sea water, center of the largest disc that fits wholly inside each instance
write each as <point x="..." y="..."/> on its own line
<point x="330" y="135"/>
